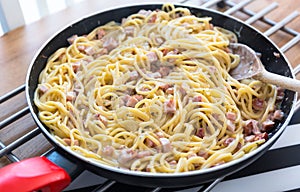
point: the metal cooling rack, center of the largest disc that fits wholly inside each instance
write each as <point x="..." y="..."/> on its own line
<point x="227" y="7"/>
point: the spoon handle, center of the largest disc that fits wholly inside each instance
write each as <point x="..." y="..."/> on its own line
<point x="279" y="80"/>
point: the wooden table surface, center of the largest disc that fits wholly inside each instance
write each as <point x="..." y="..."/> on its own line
<point x="18" y="47"/>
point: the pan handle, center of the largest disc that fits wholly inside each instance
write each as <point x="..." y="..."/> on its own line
<point x="34" y="174"/>
<point x="74" y="169"/>
<point x="50" y="173"/>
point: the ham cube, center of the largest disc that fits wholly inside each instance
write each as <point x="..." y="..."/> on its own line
<point x="43" y="88"/>
<point x="129" y="30"/>
<point x="71" y="95"/>
<point x="108" y="150"/>
<point x="100" y="33"/>
<point x="110" y="44"/>
<point x="72" y="39"/>
<point x="166" y="145"/>
<point x="258" y="104"/>
<point x="231" y="116"/>
<point x="169" y="106"/>
<point x="278" y="115"/>
<point x="152" y="57"/>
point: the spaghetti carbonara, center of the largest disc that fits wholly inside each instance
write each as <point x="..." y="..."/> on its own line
<point x="154" y="94"/>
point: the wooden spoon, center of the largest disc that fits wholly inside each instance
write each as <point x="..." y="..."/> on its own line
<point x="251" y="66"/>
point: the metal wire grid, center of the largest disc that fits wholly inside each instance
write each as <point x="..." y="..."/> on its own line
<point x="232" y="7"/>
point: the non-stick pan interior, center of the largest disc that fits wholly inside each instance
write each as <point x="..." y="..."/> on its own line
<point x="246" y="34"/>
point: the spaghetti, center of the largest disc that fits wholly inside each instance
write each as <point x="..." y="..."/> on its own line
<point x="154" y="94"/>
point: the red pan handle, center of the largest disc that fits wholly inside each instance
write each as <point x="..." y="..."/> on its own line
<point x="33" y="174"/>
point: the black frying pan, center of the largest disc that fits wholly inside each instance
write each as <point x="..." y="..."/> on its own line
<point x="245" y="33"/>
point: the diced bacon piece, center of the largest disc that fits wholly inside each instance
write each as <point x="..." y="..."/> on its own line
<point x="256" y="129"/>
<point x="69" y="141"/>
<point x="251" y="126"/>
<point x="227" y="50"/>
<point x="171" y="60"/>
<point x="159" y="40"/>
<point x="154" y="75"/>
<point x="164" y="71"/>
<point x="247" y="127"/>
<point x="200" y="133"/>
<point x="133" y="75"/>
<point x="152" y="57"/>
<point x="152" y="19"/>
<point x="238" y="147"/>
<point x="230" y="126"/>
<point x="231" y="116"/>
<point x="182" y="90"/>
<point x="166" y="145"/>
<point x="72" y="39"/>
<point x="280" y="94"/>
<point x="126" y="155"/>
<point x="144" y="12"/>
<point x="169" y="106"/>
<point x="173" y="162"/>
<point x="173" y="52"/>
<point x="278" y="115"/>
<point x="123" y="21"/>
<point x="267" y="125"/>
<point x="108" y="150"/>
<point x="228" y="141"/>
<point x="170" y="90"/>
<point x="261" y="136"/>
<point x="148" y="168"/>
<point x="142" y="154"/>
<point x="165" y="52"/>
<point x="81" y="48"/>
<point x="138" y="97"/>
<point x="203" y="154"/>
<point x="76" y="66"/>
<point x="258" y="104"/>
<point x="125" y="98"/>
<point x="71" y="95"/>
<point x="165" y="86"/>
<point x="160" y="134"/>
<point x="76" y="142"/>
<point x="197" y="98"/>
<point x="129" y="30"/>
<point x="149" y="143"/>
<point x="110" y="44"/>
<point x="100" y="33"/>
<point x="102" y="118"/>
<point x="90" y="50"/>
<point x="154" y="67"/>
<point x="132" y="101"/>
<point x="250" y="138"/>
<point x="43" y="88"/>
<point x="216" y="116"/>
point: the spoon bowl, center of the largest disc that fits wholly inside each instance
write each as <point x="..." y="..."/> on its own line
<point x="250" y="66"/>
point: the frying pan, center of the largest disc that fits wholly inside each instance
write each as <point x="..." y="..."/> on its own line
<point x="246" y="34"/>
